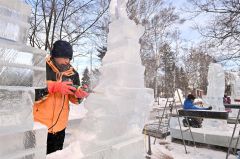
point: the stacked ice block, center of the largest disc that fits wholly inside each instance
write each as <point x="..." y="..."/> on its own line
<point x="22" y="68"/>
<point x="119" y="107"/>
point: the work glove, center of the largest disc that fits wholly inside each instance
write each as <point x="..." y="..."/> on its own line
<point x="210" y="108"/>
<point x="81" y="93"/>
<point x="61" y="87"/>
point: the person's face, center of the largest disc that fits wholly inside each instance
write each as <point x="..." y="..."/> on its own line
<point x="62" y="60"/>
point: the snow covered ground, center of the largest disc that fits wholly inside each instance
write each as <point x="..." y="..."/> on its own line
<point x="163" y="149"/>
<point x="170" y="150"/>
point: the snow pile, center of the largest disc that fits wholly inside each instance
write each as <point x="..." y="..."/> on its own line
<point x="70" y="152"/>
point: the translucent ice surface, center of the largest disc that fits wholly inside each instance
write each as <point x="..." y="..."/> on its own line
<point x="216" y="86"/>
<point x="14" y="20"/>
<point x="19" y="145"/>
<point x="22" y="69"/>
<point x="215" y="92"/>
<point x="119" y="107"/>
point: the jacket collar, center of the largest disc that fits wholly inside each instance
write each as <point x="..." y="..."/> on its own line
<point x="59" y="74"/>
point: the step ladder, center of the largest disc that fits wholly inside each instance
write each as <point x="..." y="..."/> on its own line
<point x="163" y="124"/>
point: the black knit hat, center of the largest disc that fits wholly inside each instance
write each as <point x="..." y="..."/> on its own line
<point x="190" y="96"/>
<point x="62" y="49"/>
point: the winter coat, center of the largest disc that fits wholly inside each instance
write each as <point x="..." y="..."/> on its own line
<point x="52" y="110"/>
<point x="188" y="104"/>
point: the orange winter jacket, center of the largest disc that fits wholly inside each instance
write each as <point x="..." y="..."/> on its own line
<point x="52" y="110"/>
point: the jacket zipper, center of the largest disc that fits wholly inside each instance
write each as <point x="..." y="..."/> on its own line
<point x="54" y="105"/>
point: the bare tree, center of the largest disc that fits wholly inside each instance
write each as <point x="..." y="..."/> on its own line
<point x="157" y="20"/>
<point x="70" y="20"/>
<point x="222" y="28"/>
<point x="196" y="67"/>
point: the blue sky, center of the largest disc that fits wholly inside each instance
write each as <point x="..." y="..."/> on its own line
<point x="187" y="32"/>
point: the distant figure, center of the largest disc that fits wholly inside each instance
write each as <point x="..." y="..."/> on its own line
<point x="226" y="99"/>
<point x="188" y="104"/>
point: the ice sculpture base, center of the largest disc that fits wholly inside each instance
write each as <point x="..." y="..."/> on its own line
<point x="129" y="149"/>
<point x="28" y="144"/>
<point x="125" y="149"/>
<point x="212" y="136"/>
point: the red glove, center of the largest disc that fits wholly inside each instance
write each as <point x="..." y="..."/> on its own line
<point x="61" y="87"/>
<point x="85" y="86"/>
<point x="80" y="93"/>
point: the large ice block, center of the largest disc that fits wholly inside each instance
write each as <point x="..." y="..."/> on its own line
<point x="14" y="19"/>
<point x="20" y="73"/>
<point x="204" y="135"/>
<point x="30" y="143"/>
<point x="19" y="68"/>
<point x="16" y="109"/>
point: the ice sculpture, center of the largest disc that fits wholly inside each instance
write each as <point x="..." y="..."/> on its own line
<point x="216" y="86"/>
<point x="235" y="84"/>
<point x="215" y="93"/>
<point x="117" y="110"/>
<point x="22" y="68"/>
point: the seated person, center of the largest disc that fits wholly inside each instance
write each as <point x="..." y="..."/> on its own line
<point x="227" y="100"/>
<point x="188" y="104"/>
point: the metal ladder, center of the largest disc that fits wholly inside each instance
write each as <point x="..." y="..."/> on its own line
<point x="172" y="104"/>
<point x="233" y="133"/>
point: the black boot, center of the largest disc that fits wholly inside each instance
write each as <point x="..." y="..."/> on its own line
<point x="185" y="124"/>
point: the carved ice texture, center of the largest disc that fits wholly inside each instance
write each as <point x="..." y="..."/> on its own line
<point x="119" y="107"/>
<point x="215" y="93"/>
<point x="235" y="85"/>
<point x="22" y="68"/>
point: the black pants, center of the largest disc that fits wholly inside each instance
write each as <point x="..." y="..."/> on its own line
<point x="55" y="141"/>
<point x="193" y="122"/>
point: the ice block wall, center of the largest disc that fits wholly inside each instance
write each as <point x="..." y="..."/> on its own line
<point x="22" y="69"/>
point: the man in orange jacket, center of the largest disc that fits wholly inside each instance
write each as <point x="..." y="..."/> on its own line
<point x="51" y="106"/>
